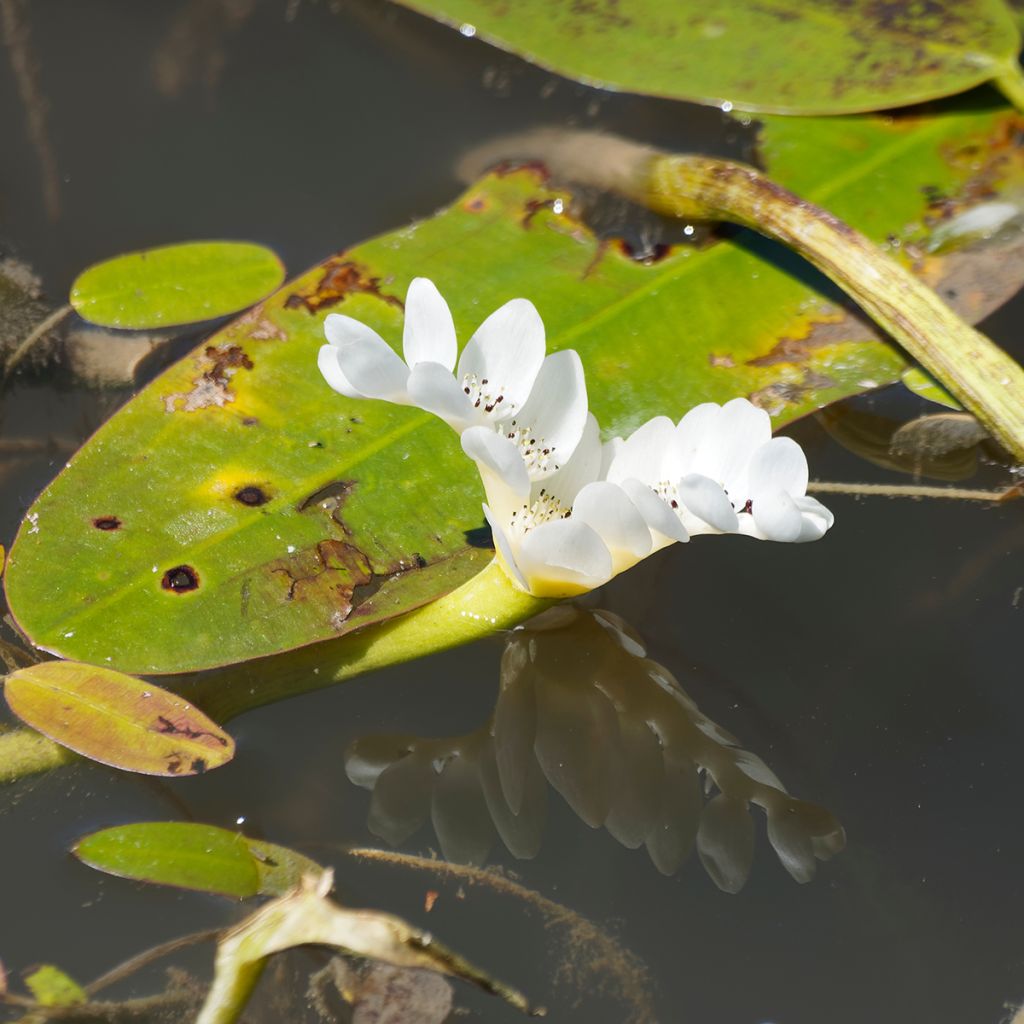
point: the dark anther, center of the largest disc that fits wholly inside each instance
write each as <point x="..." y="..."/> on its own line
<point x="107" y="523"/>
<point x="180" y="579"/>
<point x="674" y="503"/>
<point x="252" y="495"/>
<point x="749" y="507"/>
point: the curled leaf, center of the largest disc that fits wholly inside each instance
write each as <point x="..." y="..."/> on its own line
<point x="193" y="856"/>
<point x="117" y="719"/>
<point x="307" y="917"/>
<point x="175" y="284"/>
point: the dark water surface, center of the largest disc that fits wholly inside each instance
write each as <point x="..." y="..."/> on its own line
<point x="876" y="673"/>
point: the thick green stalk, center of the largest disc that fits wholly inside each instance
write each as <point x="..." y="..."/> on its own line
<point x="986" y="380"/>
<point x="479" y="608"/>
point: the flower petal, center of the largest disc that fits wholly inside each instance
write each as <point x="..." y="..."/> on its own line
<point x="690" y="437"/>
<point x="582" y="468"/>
<point x="724" y="455"/>
<point x="429" y="334"/>
<point x="779" y="465"/>
<point x="366" y="360"/>
<point x="562" y="558"/>
<point x="554" y="416"/>
<point x="706" y="500"/>
<point x="507" y="350"/>
<point x="499" y="456"/>
<point x="607" y="509"/>
<point x="817" y="519"/>
<point x="433" y="388"/>
<point x="503" y="547"/>
<point x="661" y="519"/>
<point x="642" y="454"/>
<point x="777" y="517"/>
<point x="330" y="366"/>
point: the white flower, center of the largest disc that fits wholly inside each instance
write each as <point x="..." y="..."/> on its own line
<point x="562" y="535"/>
<point x="503" y="381"/>
<point x="719" y="471"/>
<point x="567" y="513"/>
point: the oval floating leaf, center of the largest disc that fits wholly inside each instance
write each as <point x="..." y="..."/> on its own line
<point x="784" y="56"/>
<point x="175" y="284"/>
<point x="192" y="856"/>
<point x="276" y="513"/>
<point x="117" y="719"/>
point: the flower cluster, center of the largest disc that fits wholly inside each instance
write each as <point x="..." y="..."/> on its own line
<point x="567" y="511"/>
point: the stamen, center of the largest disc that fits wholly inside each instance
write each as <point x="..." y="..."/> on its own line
<point x="482" y="393"/>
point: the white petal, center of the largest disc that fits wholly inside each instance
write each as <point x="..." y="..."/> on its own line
<point x="776" y="516"/>
<point x="690" y="437"/>
<point x="779" y="465"/>
<point x="562" y="558"/>
<point x="503" y="545"/>
<point x="706" y="500"/>
<point x="642" y="454"/>
<point x="433" y="388"/>
<point x="366" y="360"/>
<point x="429" y="334"/>
<point x="507" y="351"/>
<point x="609" y="450"/>
<point x="582" y="468"/>
<point x="607" y="509"/>
<point x="724" y="456"/>
<point x="817" y="520"/>
<point x="661" y="519"/>
<point x="330" y="366"/>
<point x="554" y="415"/>
<point x="500" y="456"/>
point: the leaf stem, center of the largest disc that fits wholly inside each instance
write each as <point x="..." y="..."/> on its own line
<point x="986" y="380"/>
<point x="1010" y="82"/>
<point x="486" y="604"/>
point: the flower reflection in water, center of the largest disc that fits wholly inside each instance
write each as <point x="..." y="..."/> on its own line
<point x="583" y="710"/>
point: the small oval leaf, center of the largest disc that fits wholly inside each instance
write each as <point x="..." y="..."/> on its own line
<point x="117" y="719"/>
<point x="192" y="856"/>
<point x="175" y="284"/>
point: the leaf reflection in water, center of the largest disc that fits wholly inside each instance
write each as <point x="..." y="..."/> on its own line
<point x="582" y="709"/>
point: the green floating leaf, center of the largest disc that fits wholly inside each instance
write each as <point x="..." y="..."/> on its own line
<point x="175" y="284"/>
<point x="117" y="719"/>
<point x="52" y="987"/>
<point x="238" y="507"/>
<point x="192" y="856"/>
<point x="783" y="56"/>
<point x="916" y="380"/>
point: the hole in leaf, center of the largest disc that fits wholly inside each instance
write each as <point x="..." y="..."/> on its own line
<point x="252" y="496"/>
<point x="180" y="579"/>
<point x="107" y="523"/>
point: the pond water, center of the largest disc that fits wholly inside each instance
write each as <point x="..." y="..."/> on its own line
<point x="875" y="673"/>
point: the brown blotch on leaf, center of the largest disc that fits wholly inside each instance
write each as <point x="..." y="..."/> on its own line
<point x="341" y="278"/>
<point x="219" y="364"/>
<point x="180" y="579"/>
<point x="252" y="496"/>
<point x="107" y="523"/>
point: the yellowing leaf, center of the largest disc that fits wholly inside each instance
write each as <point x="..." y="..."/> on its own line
<point x="117" y="719"/>
<point x="175" y="284"/>
<point x="52" y="987"/>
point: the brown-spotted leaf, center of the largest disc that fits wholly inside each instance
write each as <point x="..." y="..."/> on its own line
<point x="117" y="719"/>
